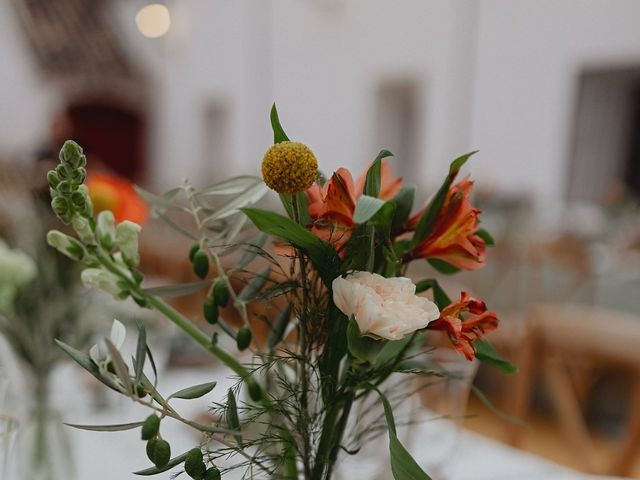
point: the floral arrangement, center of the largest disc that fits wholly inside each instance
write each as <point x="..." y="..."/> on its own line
<point x="342" y="317"/>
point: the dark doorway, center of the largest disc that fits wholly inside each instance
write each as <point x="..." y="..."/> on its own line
<point x="113" y="135"/>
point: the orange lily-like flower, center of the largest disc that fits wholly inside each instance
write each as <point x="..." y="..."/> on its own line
<point x="464" y="332"/>
<point x="454" y="237"/>
<point x="109" y="192"/>
<point x="332" y="206"/>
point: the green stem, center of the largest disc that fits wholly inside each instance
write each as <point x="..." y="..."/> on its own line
<point x="183" y="323"/>
<point x="340" y="428"/>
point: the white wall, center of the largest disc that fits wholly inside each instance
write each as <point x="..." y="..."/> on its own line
<point x="529" y="56"/>
<point x="26" y="103"/>
<point x="496" y="75"/>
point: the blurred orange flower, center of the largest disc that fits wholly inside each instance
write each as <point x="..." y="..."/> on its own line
<point x="332" y="206"/>
<point x="463" y="332"/>
<point x="109" y="192"/>
<point x="454" y="236"/>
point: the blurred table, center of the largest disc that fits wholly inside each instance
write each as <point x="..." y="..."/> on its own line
<point x="113" y="456"/>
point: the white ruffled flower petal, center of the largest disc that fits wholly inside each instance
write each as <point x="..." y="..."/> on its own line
<point x="386" y="307"/>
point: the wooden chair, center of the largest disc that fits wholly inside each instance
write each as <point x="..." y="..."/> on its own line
<point x="566" y="347"/>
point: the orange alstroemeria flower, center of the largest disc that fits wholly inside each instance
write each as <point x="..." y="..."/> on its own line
<point x="332" y="206"/>
<point x="454" y="237"/>
<point x="463" y="332"/>
<point x="109" y="192"/>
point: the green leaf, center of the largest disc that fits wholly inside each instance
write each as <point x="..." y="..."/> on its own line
<point x="248" y="197"/>
<point x="440" y="297"/>
<point x="85" y="362"/>
<point x="231" y="412"/>
<point x="155" y="470"/>
<point x="393" y="348"/>
<point x="231" y="186"/>
<point x="278" y="131"/>
<point x="486" y="236"/>
<point x="362" y="347"/>
<point x="251" y="252"/>
<point x="403" y="466"/>
<point x="366" y="208"/>
<point x="141" y="353"/>
<point x="196" y="391"/>
<point x="303" y="206"/>
<point x="404" y="204"/>
<point x="383" y="220"/>
<point x="255" y="285"/>
<point x="373" y="179"/>
<point x="442" y="266"/>
<point x="161" y="202"/>
<point x="322" y="255"/>
<point x="487" y="354"/>
<point x="428" y="218"/>
<point x="279" y="327"/>
<point x="106" y="428"/>
<point x="179" y="290"/>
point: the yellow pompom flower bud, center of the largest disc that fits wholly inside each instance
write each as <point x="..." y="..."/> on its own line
<point x="289" y="167"/>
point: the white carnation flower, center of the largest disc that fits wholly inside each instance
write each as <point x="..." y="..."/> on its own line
<point x="385" y="307"/>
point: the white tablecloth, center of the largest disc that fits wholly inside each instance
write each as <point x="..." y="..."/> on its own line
<point x="113" y="456"/>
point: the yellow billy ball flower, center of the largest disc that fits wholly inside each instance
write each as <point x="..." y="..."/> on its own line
<point x="289" y="167"/>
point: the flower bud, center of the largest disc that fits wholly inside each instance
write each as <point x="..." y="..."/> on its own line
<point x="63" y="172"/>
<point x="65" y="187"/>
<point x="83" y="229"/>
<point x="53" y="178"/>
<point x="201" y="263"/>
<point x="192" y="251"/>
<point x="78" y="175"/>
<point x="102" y="280"/>
<point x="210" y="310"/>
<point x="150" y="427"/>
<point x="79" y="201"/>
<point x="212" y="474"/>
<point x="106" y="230"/>
<point x="243" y="338"/>
<point x="65" y="244"/>
<point x="255" y="391"/>
<point x="194" y="464"/>
<point x="127" y="240"/>
<point x="162" y="453"/>
<point x="71" y="154"/>
<point x="60" y="205"/>
<point x="221" y="293"/>
<point x="151" y="446"/>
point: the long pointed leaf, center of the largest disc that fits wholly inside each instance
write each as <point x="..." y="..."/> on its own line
<point x="141" y="353"/>
<point x="231" y="186"/>
<point x="174" y="462"/>
<point x="251" y="251"/>
<point x="249" y="197"/>
<point x="196" y="391"/>
<point x="233" y="421"/>
<point x="278" y="131"/>
<point x="180" y="290"/>
<point x="322" y="255"/>
<point x="428" y="218"/>
<point x="373" y="179"/>
<point x="279" y="327"/>
<point x="255" y="285"/>
<point x="106" y="428"/>
<point x="403" y="466"/>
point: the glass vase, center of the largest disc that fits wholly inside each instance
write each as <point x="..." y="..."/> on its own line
<point x="8" y="429"/>
<point x="43" y="448"/>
